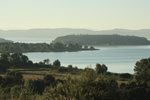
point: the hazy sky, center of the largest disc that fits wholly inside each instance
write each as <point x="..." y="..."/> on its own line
<point x="91" y="14"/>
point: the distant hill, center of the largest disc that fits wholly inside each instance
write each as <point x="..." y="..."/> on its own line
<point x="5" y="41"/>
<point x="55" y="32"/>
<point x="103" y="40"/>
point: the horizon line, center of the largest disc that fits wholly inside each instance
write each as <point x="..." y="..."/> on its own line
<point x="75" y="28"/>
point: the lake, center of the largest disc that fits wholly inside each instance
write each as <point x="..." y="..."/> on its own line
<point x="120" y="59"/>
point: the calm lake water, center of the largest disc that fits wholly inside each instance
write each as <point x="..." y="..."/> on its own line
<point x="119" y="59"/>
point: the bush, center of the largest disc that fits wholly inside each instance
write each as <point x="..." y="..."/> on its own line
<point x="49" y="80"/>
<point x="36" y="86"/>
<point x="13" y="78"/>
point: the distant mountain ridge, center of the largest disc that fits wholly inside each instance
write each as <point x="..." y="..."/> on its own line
<point x="102" y="40"/>
<point x="55" y="32"/>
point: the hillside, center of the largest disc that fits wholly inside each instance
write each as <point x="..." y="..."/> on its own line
<point x="4" y="41"/>
<point x="103" y="40"/>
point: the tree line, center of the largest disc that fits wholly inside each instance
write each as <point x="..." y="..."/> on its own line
<point x="41" y="47"/>
<point x="18" y="60"/>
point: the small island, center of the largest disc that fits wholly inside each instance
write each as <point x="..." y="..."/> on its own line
<point x="104" y="40"/>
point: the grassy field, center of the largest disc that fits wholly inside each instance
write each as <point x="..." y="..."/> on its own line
<point x="39" y="73"/>
<point x="36" y="73"/>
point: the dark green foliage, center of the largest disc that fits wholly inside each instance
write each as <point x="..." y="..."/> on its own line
<point x="70" y="69"/>
<point x="142" y="72"/>
<point x="3" y="68"/>
<point x="46" y="61"/>
<point x="5" y="56"/>
<point x="85" y="47"/>
<point x="91" y="47"/>
<point x="16" y="91"/>
<point x="135" y="93"/>
<point x="126" y="76"/>
<point x="1" y="80"/>
<point x="88" y="87"/>
<point x="70" y="66"/>
<point x="49" y="80"/>
<point x="56" y="63"/>
<point x="58" y="46"/>
<point x="14" y="59"/>
<point x="100" y="69"/>
<point x="4" y="61"/>
<point x="4" y="93"/>
<point x="18" y="59"/>
<point x="12" y="78"/>
<point x="40" y="47"/>
<point x="36" y="86"/>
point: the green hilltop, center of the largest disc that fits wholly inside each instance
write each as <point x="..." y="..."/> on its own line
<point x="103" y="40"/>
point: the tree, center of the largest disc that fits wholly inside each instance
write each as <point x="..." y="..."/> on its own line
<point x="5" y="56"/>
<point x="56" y="63"/>
<point x="77" y="46"/>
<point x="101" y="68"/>
<point x="92" y="48"/>
<point x="89" y="75"/>
<point x="85" y="47"/>
<point x="46" y="61"/>
<point x="57" y="46"/>
<point x="142" y="71"/>
<point x="17" y="59"/>
<point x="4" y="61"/>
<point x="70" y="66"/>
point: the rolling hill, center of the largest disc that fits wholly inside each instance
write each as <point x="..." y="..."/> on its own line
<point x="103" y="40"/>
<point x="5" y="41"/>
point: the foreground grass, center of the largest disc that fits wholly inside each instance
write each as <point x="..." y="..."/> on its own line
<point x="36" y="73"/>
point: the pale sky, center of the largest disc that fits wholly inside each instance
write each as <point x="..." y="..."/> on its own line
<point x="90" y="14"/>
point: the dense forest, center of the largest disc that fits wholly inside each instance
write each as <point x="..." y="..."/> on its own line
<point x="42" y="47"/>
<point x="78" y="84"/>
<point x="103" y="40"/>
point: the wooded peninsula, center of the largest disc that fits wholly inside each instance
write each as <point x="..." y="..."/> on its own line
<point x="42" y="47"/>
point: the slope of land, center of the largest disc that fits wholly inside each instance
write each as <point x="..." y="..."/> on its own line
<point x="103" y="40"/>
<point x="5" y="41"/>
